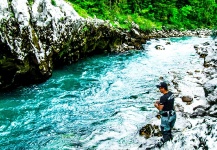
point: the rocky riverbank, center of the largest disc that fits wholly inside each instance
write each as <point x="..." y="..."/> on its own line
<point x="196" y="105"/>
<point x="37" y="37"/>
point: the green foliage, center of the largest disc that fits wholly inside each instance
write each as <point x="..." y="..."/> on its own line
<point x="82" y="12"/>
<point x="62" y="18"/>
<point x="174" y="16"/>
<point x="186" y="10"/>
<point x="145" y="24"/>
<point x="53" y="2"/>
<point x="85" y="29"/>
<point x="188" y="14"/>
<point x="12" y="15"/>
<point x="30" y="2"/>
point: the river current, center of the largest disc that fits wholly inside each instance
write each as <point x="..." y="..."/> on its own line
<point x="100" y="102"/>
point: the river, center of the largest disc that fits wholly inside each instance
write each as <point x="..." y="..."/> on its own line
<point x="100" y="102"/>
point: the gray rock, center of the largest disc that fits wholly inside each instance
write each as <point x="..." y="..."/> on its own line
<point x="179" y="108"/>
<point x="206" y="43"/>
<point x="197" y="71"/>
<point x="213" y="111"/>
<point x="181" y="122"/>
<point x="202" y="52"/>
<point x="135" y="33"/>
<point x="198" y="112"/>
<point x="212" y="97"/>
<point x="168" y="43"/>
<point x="190" y="73"/>
<point x="134" y="25"/>
<point x="202" y="136"/>
<point x="161" y="78"/>
<point x="206" y="107"/>
<point x="131" y="47"/>
<point x="210" y="86"/>
<point x="196" y="47"/>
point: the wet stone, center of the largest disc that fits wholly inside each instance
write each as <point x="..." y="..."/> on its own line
<point x="150" y="130"/>
<point x="187" y="99"/>
<point x="190" y="73"/>
<point x="168" y="43"/>
<point x="196" y="47"/>
<point x="206" y="43"/>
<point x="159" y="47"/>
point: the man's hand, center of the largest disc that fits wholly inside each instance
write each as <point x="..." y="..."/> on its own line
<point x="156" y="103"/>
<point x="158" y="106"/>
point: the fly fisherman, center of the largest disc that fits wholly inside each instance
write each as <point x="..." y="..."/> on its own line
<point x="166" y="109"/>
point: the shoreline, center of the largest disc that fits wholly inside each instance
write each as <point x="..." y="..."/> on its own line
<point x="196" y="104"/>
<point x="94" y="37"/>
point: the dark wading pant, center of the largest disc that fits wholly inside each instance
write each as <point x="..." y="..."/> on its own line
<point x="167" y="123"/>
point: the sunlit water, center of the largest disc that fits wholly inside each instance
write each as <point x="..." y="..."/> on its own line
<point x="98" y="103"/>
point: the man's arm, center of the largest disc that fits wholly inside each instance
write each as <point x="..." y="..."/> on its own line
<point x="158" y="106"/>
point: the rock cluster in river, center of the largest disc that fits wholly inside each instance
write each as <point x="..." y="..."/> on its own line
<point x="203" y="133"/>
<point x="208" y="51"/>
<point x="35" y="38"/>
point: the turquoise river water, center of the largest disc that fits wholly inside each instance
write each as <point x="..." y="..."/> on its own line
<point x="98" y="103"/>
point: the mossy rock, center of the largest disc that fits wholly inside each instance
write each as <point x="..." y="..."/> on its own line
<point x="150" y="130"/>
<point x="7" y="63"/>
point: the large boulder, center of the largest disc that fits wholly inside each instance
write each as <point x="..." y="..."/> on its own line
<point x="210" y="86"/>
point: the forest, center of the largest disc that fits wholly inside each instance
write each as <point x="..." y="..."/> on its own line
<point x="151" y="14"/>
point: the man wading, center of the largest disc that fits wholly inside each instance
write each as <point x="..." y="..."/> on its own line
<point x="166" y="108"/>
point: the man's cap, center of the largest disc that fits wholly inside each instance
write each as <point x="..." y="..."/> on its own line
<point x="162" y="84"/>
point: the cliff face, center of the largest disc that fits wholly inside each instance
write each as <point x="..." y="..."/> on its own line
<point x="36" y="36"/>
<point x="29" y="36"/>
